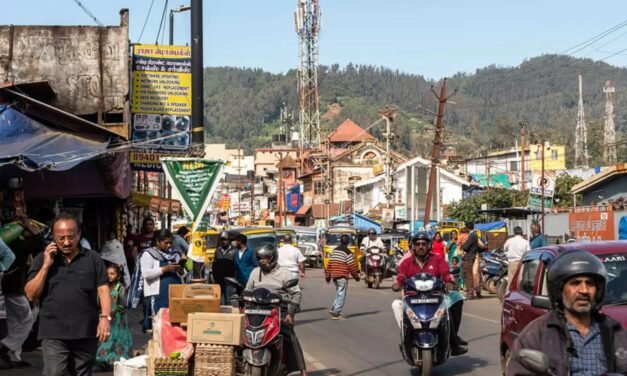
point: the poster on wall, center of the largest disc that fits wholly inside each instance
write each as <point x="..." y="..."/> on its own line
<point x="592" y="225"/>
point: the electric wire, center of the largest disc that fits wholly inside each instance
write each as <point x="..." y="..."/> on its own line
<point x="146" y="20"/>
<point x="88" y="12"/>
<point x="594" y="39"/>
<point x="165" y="8"/>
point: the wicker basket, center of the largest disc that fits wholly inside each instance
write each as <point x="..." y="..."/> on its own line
<point x="214" y="360"/>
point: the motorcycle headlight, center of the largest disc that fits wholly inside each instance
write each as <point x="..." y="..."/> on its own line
<point x="255" y="337"/>
<point x="424" y="285"/>
<point x="415" y="321"/>
<point x="439" y="314"/>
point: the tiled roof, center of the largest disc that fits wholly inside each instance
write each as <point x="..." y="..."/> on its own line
<point x="348" y="131"/>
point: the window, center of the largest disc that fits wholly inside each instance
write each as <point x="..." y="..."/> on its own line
<point x="528" y="278"/>
<point x="319" y="187"/>
<point x="554" y="155"/>
<point x="513" y="165"/>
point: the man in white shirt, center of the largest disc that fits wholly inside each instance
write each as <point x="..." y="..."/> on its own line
<point x="371" y="241"/>
<point x="515" y="248"/>
<point x="291" y="258"/>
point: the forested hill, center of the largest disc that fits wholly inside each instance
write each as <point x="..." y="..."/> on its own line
<point x="243" y="105"/>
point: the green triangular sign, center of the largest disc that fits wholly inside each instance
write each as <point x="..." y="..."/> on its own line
<point x="195" y="180"/>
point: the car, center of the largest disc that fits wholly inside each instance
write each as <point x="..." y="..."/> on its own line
<point x="529" y="284"/>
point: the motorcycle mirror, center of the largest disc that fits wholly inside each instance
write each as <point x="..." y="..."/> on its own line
<point x="291" y="283"/>
<point x="233" y="282"/>
<point x="540" y="301"/>
<point x="535" y="361"/>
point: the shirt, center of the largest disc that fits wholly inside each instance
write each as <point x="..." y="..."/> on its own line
<point x="589" y="359"/>
<point x="69" y="300"/>
<point x="537" y="241"/>
<point x="341" y="264"/>
<point x="516" y="247"/>
<point x="471" y="246"/>
<point x="367" y="243"/>
<point x="274" y="281"/>
<point x="290" y="257"/>
<point x="438" y="247"/>
<point x="434" y="265"/>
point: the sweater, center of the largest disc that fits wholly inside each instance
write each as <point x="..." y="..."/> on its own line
<point x="341" y="264"/>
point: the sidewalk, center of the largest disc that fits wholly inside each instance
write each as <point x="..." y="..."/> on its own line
<point x="34" y="358"/>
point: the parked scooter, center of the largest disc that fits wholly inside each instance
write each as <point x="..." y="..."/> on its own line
<point x="376" y="267"/>
<point x="494" y="269"/>
<point x="263" y="348"/>
<point x="426" y="327"/>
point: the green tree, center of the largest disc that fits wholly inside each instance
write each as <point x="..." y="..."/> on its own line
<point x="563" y="184"/>
<point x="467" y="210"/>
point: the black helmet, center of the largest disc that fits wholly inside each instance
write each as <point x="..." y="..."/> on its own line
<point x="267" y="251"/>
<point x="572" y="263"/>
<point x="224" y="235"/>
<point x="421" y="235"/>
<point x="372" y="231"/>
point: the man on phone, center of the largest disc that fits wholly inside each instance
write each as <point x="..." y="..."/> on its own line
<point x="69" y="282"/>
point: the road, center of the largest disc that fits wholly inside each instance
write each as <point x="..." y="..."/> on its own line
<point x="366" y="343"/>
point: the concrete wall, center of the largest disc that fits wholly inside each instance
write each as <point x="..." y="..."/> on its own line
<point x="267" y="159"/>
<point x="74" y="60"/>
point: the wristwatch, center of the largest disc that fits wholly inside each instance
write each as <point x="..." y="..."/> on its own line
<point x="108" y="317"/>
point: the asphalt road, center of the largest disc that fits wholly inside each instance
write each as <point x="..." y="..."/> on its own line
<point x="366" y="343"/>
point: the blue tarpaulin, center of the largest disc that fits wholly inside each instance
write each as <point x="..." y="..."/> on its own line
<point x="32" y="146"/>
<point x="622" y="228"/>
<point x="489" y="226"/>
<point x="357" y="221"/>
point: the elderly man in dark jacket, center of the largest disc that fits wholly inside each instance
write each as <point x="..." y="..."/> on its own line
<point x="574" y="335"/>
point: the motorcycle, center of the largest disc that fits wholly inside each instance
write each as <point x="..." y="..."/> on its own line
<point x="426" y="326"/>
<point x="494" y="268"/>
<point x="376" y="268"/>
<point x="263" y="348"/>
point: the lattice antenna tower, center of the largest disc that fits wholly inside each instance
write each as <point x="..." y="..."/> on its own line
<point x="581" y="133"/>
<point x="609" y="134"/>
<point x="307" y="25"/>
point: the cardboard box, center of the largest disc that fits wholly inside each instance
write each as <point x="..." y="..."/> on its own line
<point x="216" y="328"/>
<point x="186" y="299"/>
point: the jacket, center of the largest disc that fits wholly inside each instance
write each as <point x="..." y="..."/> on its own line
<point x="434" y="265"/>
<point x="275" y="281"/>
<point x="537" y="241"/>
<point x="547" y="334"/>
<point x="245" y="265"/>
<point x="341" y="264"/>
<point x="151" y="272"/>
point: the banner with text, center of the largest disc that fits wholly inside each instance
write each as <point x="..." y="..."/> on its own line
<point x="161" y="97"/>
<point x="195" y="180"/>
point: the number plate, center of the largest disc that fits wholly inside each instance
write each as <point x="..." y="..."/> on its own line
<point x="424" y="301"/>
<point x="257" y="311"/>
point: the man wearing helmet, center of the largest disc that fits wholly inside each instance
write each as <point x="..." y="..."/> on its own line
<point x="223" y="267"/>
<point x="273" y="277"/>
<point x="424" y="261"/>
<point x="576" y="337"/>
<point x="371" y="241"/>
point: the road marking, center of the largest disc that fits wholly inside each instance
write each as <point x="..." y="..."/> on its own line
<point x="313" y="362"/>
<point x="481" y="318"/>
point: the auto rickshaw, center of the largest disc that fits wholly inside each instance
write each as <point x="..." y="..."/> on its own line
<point x="255" y="236"/>
<point x="280" y="235"/>
<point x="308" y="240"/>
<point x="204" y="243"/>
<point x="332" y="240"/>
<point x="445" y="229"/>
<point x="393" y="239"/>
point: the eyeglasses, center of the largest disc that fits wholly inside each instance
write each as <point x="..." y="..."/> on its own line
<point x="420" y="244"/>
<point x="63" y="238"/>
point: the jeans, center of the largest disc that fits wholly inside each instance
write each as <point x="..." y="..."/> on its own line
<point x="341" y="284"/>
<point x="69" y="357"/>
<point x="226" y="291"/>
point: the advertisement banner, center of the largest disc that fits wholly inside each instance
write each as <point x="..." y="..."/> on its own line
<point x="195" y="180"/>
<point x="537" y="182"/>
<point x="147" y="160"/>
<point x="592" y="225"/>
<point x="535" y="202"/>
<point x="400" y="212"/>
<point x="161" y="97"/>
<point x="293" y="201"/>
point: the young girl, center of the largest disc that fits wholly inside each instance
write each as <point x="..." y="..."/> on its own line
<point x="121" y="339"/>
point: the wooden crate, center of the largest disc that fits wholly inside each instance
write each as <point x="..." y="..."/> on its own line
<point x="214" y="360"/>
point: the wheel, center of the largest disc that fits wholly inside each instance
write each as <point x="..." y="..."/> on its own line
<point x="257" y="371"/>
<point x="377" y="282"/>
<point x="426" y="358"/>
<point x="490" y="286"/>
<point x="501" y="289"/>
<point x="504" y="360"/>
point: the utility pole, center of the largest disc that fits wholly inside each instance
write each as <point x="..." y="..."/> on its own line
<point x="198" y="99"/>
<point x="239" y="158"/>
<point x="180" y="9"/>
<point x="542" y="180"/>
<point x="388" y="113"/>
<point x="523" y="133"/>
<point x="328" y="183"/>
<point x="435" y="156"/>
<point x="581" y="133"/>
<point x="609" y="135"/>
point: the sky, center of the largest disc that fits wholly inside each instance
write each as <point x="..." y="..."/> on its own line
<point x="435" y="39"/>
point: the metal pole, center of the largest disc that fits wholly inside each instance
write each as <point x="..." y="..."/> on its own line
<point x="171" y="39"/>
<point x="542" y="183"/>
<point x="198" y="135"/>
<point x="522" y="155"/>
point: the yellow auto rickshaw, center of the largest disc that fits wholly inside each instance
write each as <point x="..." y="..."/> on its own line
<point x="255" y="236"/>
<point x="204" y="243"/>
<point x="332" y="240"/>
<point x="395" y="239"/>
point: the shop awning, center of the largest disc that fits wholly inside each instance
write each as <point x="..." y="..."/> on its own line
<point x="302" y="212"/>
<point x="32" y="146"/>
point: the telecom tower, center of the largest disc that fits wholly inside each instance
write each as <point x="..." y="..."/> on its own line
<point x="609" y="135"/>
<point x="307" y="24"/>
<point x="581" y="133"/>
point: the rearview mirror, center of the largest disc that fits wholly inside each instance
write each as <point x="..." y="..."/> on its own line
<point x="540" y="301"/>
<point x="233" y="282"/>
<point x="534" y="361"/>
<point x="291" y="283"/>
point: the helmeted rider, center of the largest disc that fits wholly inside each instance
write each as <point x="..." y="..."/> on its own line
<point x="273" y="277"/>
<point x="424" y="261"/>
<point x="575" y="336"/>
<point x="371" y="241"/>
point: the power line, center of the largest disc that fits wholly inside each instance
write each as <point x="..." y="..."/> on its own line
<point x="90" y="14"/>
<point x="165" y="7"/>
<point x="146" y="20"/>
<point x="594" y="39"/>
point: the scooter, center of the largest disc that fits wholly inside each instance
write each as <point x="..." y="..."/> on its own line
<point x="494" y="269"/>
<point x="263" y="348"/>
<point x="426" y="327"/>
<point x="376" y="267"/>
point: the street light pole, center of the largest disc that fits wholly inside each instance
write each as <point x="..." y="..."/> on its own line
<point x="180" y="9"/>
<point x="198" y="99"/>
<point x="542" y="181"/>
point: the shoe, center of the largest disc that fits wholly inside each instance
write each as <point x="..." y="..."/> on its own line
<point x="337" y="317"/>
<point x="458" y="350"/>
<point x="4" y="355"/>
<point x="461" y="342"/>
